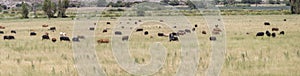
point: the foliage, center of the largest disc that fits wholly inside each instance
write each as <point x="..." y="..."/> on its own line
<point x="25" y="10"/>
<point x="49" y="8"/>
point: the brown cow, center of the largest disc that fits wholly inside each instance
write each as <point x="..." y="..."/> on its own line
<point x="44" y="25"/>
<point x="2" y="27"/>
<point x="53" y="39"/>
<point x="103" y="41"/>
<point x="203" y="32"/>
<point x="275" y="29"/>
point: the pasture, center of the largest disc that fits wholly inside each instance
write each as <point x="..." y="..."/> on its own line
<point x="246" y="55"/>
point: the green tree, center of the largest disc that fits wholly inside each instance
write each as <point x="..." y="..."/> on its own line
<point x="165" y="1"/>
<point x="25" y="10"/>
<point x="295" y="6"/>
<point x="62" y="7"/>
<point x="49" y="8"/>
<point x="190" y="4"/>
<point x="174" y="3"/>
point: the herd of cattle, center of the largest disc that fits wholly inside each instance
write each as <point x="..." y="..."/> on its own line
<point x="268" y="33"/>
<point x="63" y="36"/>
<point x="173" y="36"/>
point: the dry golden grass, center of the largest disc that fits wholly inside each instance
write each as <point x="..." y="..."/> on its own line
<point x="30" y="56"/>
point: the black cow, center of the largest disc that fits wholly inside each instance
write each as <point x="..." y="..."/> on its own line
<point x="260" y="34"/>
<point x="32" y="33"/>
<point x="118" y="33"/>
<point x="172" y="37"/>
<point x="8" y="37"/>
<point x="203" y="32"/>
<point x="268" y="33"/>
<point x="194" y="29"/>
<point x="160" y="34"/>
<point x="273" y="34"/>
<point x="139" y="29"/>
<point x="13" y="31"/>
<point x="267" y="23"/>
<point x="45" y="37"/>
<point x="125" y="38"/>
<point x="281" y="33"/>
<point x="284" y="19"/>
<point x="212" y="38"/>
<point x="196" y="25"/>
<point x="92" y="28"/>
<point x="105" y="30"/>
<point x="1" y="32"/>
<point x="52" y="29"/>
<point x="146" y="33"/>
<point x="64" y="38"/>
<point x="108" y="23"/>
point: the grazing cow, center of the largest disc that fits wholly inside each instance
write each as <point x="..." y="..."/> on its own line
<point x="247" y="33"/>
<point x="8" y="37"/>
<point x="64" y="38"/>
<point x="174" y="27"/>
<point x="45" y="37"/>
<point x="273" y="34"/>
<point x="160" y="34"/>
<point x="53" y="39"/>
<point x="62" y="34"/>
<point x="32" y="33"/>
<point x="181" y="32"/>
<point x="122" y="27"/>
<point x="146" y="33"/>
<point x="105" y="30"/>
<point x="215" y="32"/>
<point x="174" y="34"/>
<point x="260" y="34"/>
<point x="80" y="37"/>
<point x="268" y="33"/>
<point x="125" y="38"/>
<point x="193" y="29"/>
<point x="212" y="38"/>
<point x="203" y="32"/>
<point x="75" y="39"/>
<point x="267" y="23"/>
<point x="275" y="29"/>
<point x="108" y="23"/>
<point x="161" y="20"/>
<point x="92" y="28"/>
<point x="13" y="31"/>
<point x="140" y="20"/>
<point x="2" y="27"/>
<point x="281" y="33"/>
<point x="196" y="25"/>
<point x="187" y="30"/>
<point x="103" y="41"/>
<point x="172" y="37"/>
<point x="118" y="33"/>
<point x="52" y="29"/>
<point x="44" y="25"/>
<point x="139" y="29"/>
<point x="135" y="22"/>
<point x="284" y="19"/>
<point x="1" y="32"/>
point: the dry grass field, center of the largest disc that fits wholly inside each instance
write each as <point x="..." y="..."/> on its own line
<point x="246" y="55"/>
